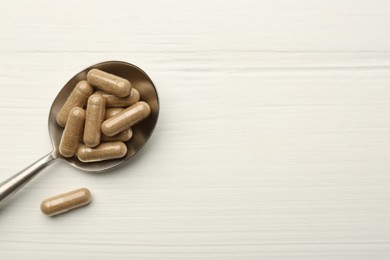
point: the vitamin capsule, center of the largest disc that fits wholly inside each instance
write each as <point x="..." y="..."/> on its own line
<point x="112" y="111"/>
<point x="126" y="119"/>
<point x="64" y="202"/>
<point x="95" y="115"/>
<point x="114" y="101"/>
<point x="72" y="133"/>
<point x="122" y="136"/>
<point x="105" y="151"/>
<point x="78" y="98"/>
<point x="109" y="83"/>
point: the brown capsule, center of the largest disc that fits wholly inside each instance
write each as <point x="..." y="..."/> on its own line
<point x="112" y="111"/>
<point x="95" y="115"/>
<point x="126" y="119"/>
<point x="114" y="101"/>
<point x="66" y="201"/>
<point x="109" y="83"/>
<point x="105" y="151"/>
<point x="78" y="98"/>
<point x="72" y="133"/>
<point x="122" y="136"/>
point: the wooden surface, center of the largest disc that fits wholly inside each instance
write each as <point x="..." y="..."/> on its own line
<point x="273" y="140"/>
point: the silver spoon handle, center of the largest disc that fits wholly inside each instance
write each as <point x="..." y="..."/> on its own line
<point x="10" y="186"/>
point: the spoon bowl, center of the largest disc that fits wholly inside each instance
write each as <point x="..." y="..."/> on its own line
<point x="141" y="131"/>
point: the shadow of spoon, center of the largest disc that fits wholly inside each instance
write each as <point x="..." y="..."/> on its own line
<point x="141" y="132"/>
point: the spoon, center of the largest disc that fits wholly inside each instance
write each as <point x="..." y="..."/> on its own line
<point x="141" y="132"/>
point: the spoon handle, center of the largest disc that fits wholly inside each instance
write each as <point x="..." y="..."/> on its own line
<point x="10" y="186"/>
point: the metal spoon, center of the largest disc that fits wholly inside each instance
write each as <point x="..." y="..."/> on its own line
<point x="141" y="132"/>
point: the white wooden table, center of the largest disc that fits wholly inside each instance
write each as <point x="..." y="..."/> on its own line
<point x="273" y="140"/>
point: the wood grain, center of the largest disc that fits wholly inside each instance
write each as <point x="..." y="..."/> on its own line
<point x="273" y="140"/>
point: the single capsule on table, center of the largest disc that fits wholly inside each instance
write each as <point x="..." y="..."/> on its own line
<point x="72" y="133"/>
<point x="105" y="151"/>
<point x="94" y="118"/>
<point x="126" y="119"/>
<point x="77" y="98"/>
<point x="109" y="83"/>
<point x="66" y="201"/>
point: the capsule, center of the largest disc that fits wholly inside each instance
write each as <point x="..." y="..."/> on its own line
<point x="122" y="136"/>
<point x="78" y="98"/>
<point x="126" y="119"/>
<point x="114" y="101"/>
<point x="66" y="201"/>
<point x="109" y="83"/>
<point x="112" y="111"/>
<point x="95" y="115"/>
<point x="73" y="132"/>
<point x="105" y="151"/>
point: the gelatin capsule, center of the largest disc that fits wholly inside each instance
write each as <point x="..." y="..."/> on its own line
<point x="77" y="98"/>
<point x="112" y="111"/>
<point x="94" y="117"/>
<point x="109" y="83"/>
<point x="126" y="119"/>
<point x="105" y="151"/>
<point x="122" y="136"/>
<point x="72" y="133"/>
<point x="66" y="201"/>
<point x="114" y="101"/>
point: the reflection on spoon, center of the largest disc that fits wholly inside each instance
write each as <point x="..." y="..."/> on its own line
<point x="141" y="132"/>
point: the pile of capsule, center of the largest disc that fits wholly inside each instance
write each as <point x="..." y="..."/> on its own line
<point x="97" y="123"/>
